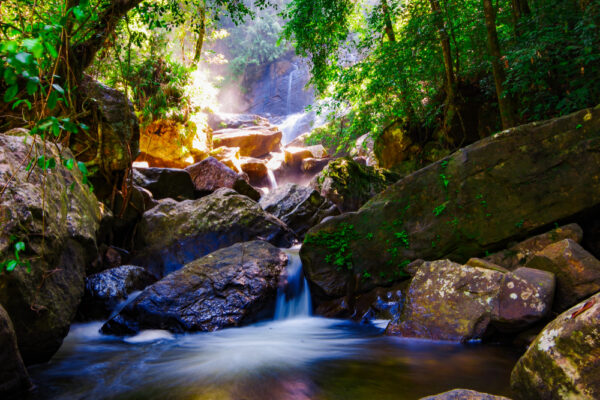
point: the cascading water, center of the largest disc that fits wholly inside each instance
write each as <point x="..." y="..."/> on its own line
<point x="289" y="92"/>
<point x="293" y="299"/>
<point x="272" y="180"/>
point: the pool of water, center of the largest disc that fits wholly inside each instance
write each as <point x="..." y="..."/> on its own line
<point x="297" y="358"/>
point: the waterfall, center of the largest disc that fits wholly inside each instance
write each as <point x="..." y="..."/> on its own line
<point x="272" y="180"/>
<point x="289" y="92"/>
<point x="293" y="299"/>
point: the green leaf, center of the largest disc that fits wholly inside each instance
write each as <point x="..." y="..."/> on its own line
<point x="10" y="93"/>
<point x="24" y="101"/>
<point x="51" y="163"/>
<point x="32" y="87"/>
<point x="35" y="46"/>
<point x="58" y="88"/>
<point x="52" y="100"/>
<point x="79" y="13"/>
<point x="51" y="50"/>
<point x="9" y="76"/>
<point x="70" y="163"/>
<point x="11" y="265"/>
<point x="19" y="246"/>
<point x="24" y="58"/>
<point x="82" y="168"/>
<point x="9" y="47"/>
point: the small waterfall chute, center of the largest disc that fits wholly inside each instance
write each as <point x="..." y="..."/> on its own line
<point x="290" y="87"/>
<point x="293" y="297"/>
<point x="272" y="179"/>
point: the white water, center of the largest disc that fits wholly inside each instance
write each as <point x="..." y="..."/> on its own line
<point x="289" y="92"/>
<point x="293" y="300"/>
<point x="272" y="180"/>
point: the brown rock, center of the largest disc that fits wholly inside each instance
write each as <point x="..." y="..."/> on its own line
<point x="464" y="394"/>
<point x="229" y="156"/>
<point x="255" y="169"/>
<point x="252" y="142"/>
<point x="313" y="165"/>
<point x="209" y="175"/>
<point x="577" y="271"/>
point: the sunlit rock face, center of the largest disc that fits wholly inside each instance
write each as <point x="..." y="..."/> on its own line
<point x="563" y="361"/>
<point x="175" y="233"/>
<point x="481" y="198"/>
<point x="57" y="217"/>
<point x="449" y="301"/>
<point x="210" y="174"/>
<point x="230" y="287"/>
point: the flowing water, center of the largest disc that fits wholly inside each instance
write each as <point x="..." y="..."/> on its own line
<point x="272" y="179"/>
<point x="293" y="357"/>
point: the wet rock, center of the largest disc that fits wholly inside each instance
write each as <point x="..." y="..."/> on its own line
<point x="209" y="175"/>
<point x="577" y="272"/>
<point x="165" y="182"/>
<point x="57" y="218"/>
<point x="478" y="199"/>
<point x="105" y="290"/>
<point x="363" y="148"/>
<point x="313" y="165"/>
<point x="299" y="207"/>
<point x="449" y="301"/>
<point x="114" y="116"/>
<point x="218" y="121"/>
<point x="518" y="254"/>
<point x="14" y="379"/>
<point x="464" y="394"/>
<point x="294" y="156"/>
<point x="175" y="233"/>
<point x="233" y="286"/>
<point x="256" y="170"/>
<point x="350" y="185"/>
<point x="256" y="142"/>
<point x="230" y="156"/>
<point x="563" y="361"/>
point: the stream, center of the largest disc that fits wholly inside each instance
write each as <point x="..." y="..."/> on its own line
<point x="295" y="356"/>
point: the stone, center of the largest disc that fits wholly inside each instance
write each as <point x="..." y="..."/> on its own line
<point x="218" y="121"/>
<point x="350" y="185"/>
<point x="577" y="272"/>
<point x="113" y="115"/>
<point x="14" y="379"/>
<point x="299" y="207"/>
<point x="174" y="233"/>
<point x="209" y="175"/>
<point x="229" y="156"/>
<point x="563" y="362"/>
<point x="57" y="218"/>
<point x="252" y="142"/>
<point x="518" y="254"/>
<point x="104" y="291"/>
<point x="364" y="148"/>
<point x="313" y="165"/>
<point x="233" y="286"/>
<point x="392" y="146"/>
<point x="256" y="170"/>
<point x="449" y="301"/>
<point x="464" y="394"/>
<point x="165" y="182"/>
<point x="481" y="198"/>
<point x="294" y="156"/>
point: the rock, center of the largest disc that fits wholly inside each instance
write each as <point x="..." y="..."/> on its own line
<point x="313" y="165"/>
<point x="209" y="175"/>
<point x="480" y="263"/>
<point x="518" y="254"/>
<point x="464" y="394"/>
<point x="577" y="272"/>
<point x="252" y="142"/>
<point x="233" y="286"/>
<point x="563" y="361"/>
<point x="165" y="182"/>
<point x="481" y="198"/>
<point x="449" y="301"/>
<point x="256" y="170"/>
<point x="57" y="218"/>
<point x="219" y="121"/>
<point x="299" y="141"/>
<point x="392" y="146"/>
<point x="294" y="156"/>
<point x="14" y="379"/>
<point x="299" y="207"/>
<point x="350" y="185"/>
<point x="364" y="148"/>
<point x="113" y="115"/>
<point x="230" y="156"/>
<point x="105" y="290"/>
<point x="175" y="233"/>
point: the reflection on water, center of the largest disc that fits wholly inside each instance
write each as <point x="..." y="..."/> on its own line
<point x="293" y="359"/>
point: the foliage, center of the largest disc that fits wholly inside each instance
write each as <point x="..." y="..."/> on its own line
<point x="15" y="260"/>
<point x="338" y="242"/>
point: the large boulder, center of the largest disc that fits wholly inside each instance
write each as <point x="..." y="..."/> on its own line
<point x="56" y="217"/>
<point x="165" y="182"/>
<point x="577" y="272"/>
<point x="349" y="184"/>
<point x="14" y="379"/>
<point x="210" y="174"/>
<point x="364" y="148"/>
<point x="299" y="207"/>
<point x="219" y="121"/>
<point x="563" y="362"/>
<point x="519" y="254"/>
<point x="481" y="198"/>
<point x="230" y="287"/>
<point x="253" y="142"/>
<point x="112" y="142"/>
<point x="464" y="394"/>
<point x="392" y="146"/>
<point x="105" y="290"/>
<point x="449" y="301"/>
<point x="174" y="233"/>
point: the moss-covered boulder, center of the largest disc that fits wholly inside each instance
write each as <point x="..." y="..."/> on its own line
<point x="349" y="184"/>
<point x="563" y="362"/>
<point x="233" y="286"/>
<point x="449" y="301"/>
<point x="481" y="198"/>
<point x="577" y="272"/>
<point x="56" y="217"/>
<point x="174" y="233"/>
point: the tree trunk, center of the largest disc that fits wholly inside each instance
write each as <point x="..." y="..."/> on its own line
<point x="504" y="101"/>
<point x="519" y="9"/>
<point x="389" y="27"/>
<point x="201" y="34"/>
<point x="450" y="103"/>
